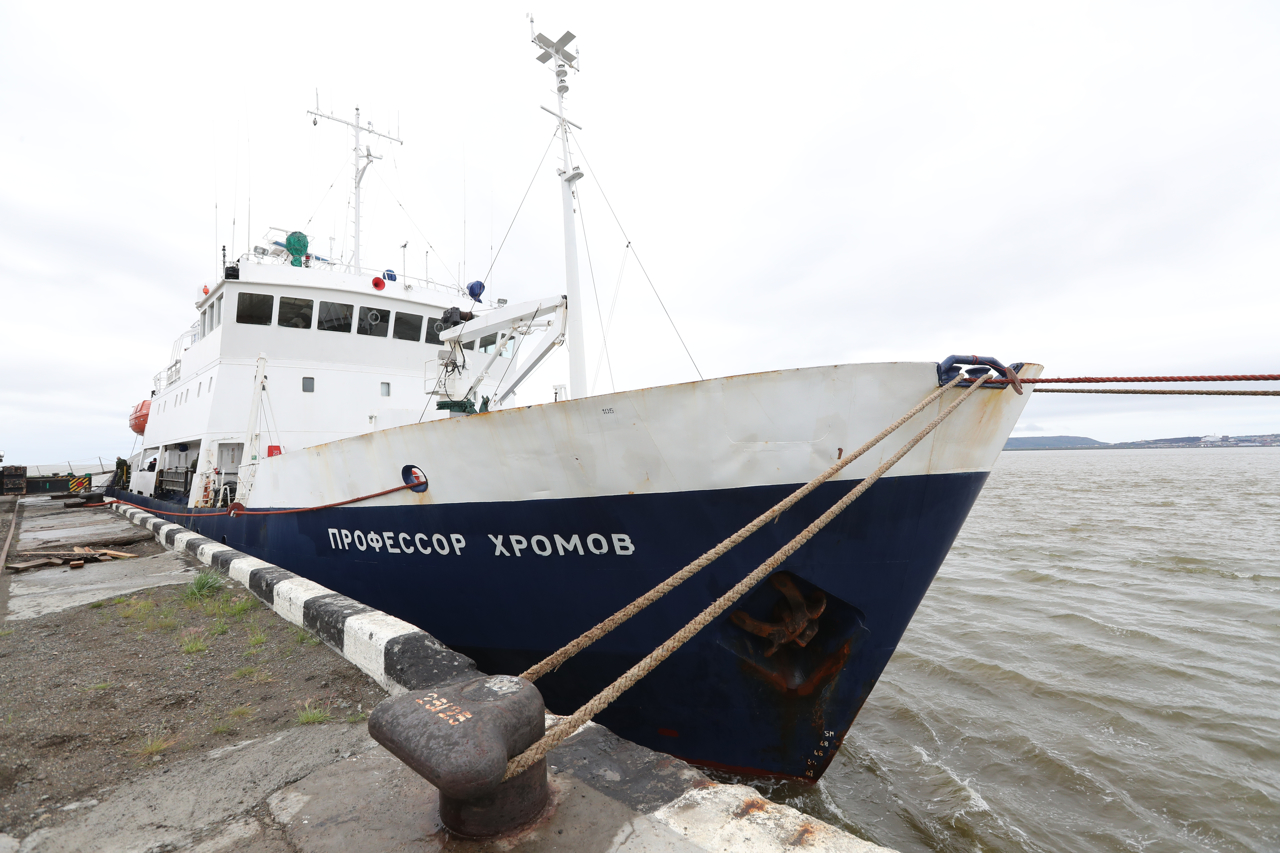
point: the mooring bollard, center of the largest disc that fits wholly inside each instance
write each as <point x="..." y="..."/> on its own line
<point x="459" y="737"/>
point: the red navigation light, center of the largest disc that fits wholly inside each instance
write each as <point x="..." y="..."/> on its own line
<point x="206" y="290"/>
<point x="378" y="283"/>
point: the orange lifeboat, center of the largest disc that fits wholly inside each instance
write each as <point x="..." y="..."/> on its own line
<point x="138" y="418"/>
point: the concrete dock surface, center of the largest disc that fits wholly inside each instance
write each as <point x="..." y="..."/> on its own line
<point x="332" y="788"/>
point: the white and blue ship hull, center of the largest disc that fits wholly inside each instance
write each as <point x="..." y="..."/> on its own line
<point x="536" y="523"/>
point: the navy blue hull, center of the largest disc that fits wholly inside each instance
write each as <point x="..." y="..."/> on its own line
<point x="527" y="578"/>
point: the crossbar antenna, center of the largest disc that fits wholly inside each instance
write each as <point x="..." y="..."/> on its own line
<point x="569" y="176"/>
<point x="362" y="161"/>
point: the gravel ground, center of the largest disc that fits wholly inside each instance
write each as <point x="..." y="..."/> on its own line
<point x="96" y="695"/>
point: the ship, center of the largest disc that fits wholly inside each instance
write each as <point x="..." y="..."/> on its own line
<point x="360" y="428"/>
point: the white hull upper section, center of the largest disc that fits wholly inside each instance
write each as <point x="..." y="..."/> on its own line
<point x="760" y="429"/>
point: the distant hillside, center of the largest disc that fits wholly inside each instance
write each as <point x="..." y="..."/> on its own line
<point x="1051" y="442"/>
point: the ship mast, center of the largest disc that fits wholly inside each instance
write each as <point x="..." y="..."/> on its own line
<point x="362" y="161"/>
<point x="569" y="175"/>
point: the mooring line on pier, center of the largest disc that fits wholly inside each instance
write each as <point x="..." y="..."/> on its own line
<point x="235" y="513"/>
<point x="1043" y="380"/>
<point x="1186" y="392"/>
<point x="555" y="660"/>
<point x="568" y="725"/>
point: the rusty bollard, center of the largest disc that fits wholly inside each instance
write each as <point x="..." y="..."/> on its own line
<point x="459" y="737"/>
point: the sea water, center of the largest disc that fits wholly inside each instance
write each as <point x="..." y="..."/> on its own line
<point x="1095" y="668"/>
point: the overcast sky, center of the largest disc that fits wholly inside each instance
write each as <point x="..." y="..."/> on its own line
<point x="1089" y="186"/>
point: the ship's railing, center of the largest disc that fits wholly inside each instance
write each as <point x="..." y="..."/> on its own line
<point x="177" y="480"/>
<point x="168" y="376"/>
<point x="409" y="282"/>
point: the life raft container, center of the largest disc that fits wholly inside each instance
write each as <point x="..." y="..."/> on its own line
<point x="138" y="418"/>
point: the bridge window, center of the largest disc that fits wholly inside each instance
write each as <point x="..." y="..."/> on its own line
<point x="308" y="384"/>
<point x="373" y="321"/>
<point x="490" y="342"/>
<point x="408" y="327"/>
<point x="335" y="317"/>
<point x="294" y="312"/>
<point x="386" y="389"/>
<point x="433" y="337"/>
<point x="254" y="309"/>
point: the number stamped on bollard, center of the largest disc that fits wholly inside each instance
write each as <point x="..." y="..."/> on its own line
<point x="444" y="709"/>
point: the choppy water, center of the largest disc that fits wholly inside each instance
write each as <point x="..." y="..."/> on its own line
<point x="1096" y="668"/>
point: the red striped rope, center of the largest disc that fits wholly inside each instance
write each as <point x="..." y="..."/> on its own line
<point x="1256" y="377"/>
<point x="262" y="511"/>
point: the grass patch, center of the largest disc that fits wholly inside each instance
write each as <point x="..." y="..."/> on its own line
<point x="240" y="606"/>
<point x="134" y="608"/>
<point x="6" y="632"/>
<point x="357" y="716"/>
<point x="205" y="586"/>
<point x="105" y="685"/>
<point x="193" y="641"/>
<point x="305" y="637"/>
<point x="120" y="600"/>
<point x="310" y="716"/>
<point x="155" y="745"/>
<point x="219" y="628"/>
<point x="97" y="605"/>
<point x="244" y="672"/>
<point x="241" y="713"/>
<point x="257" y="637"/>
<point x="223" y="729"/>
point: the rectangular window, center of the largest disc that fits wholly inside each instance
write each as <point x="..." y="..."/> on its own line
<point x="204" y="322"/>
<point x="386" y="389"/>
<point x="254" y="309"/>
<point x="373" y="321"/>
<point x="217" y="312"/>
<point x="308" y="384"/>
<point x="198" y="389"/>
<point x="294" y="312"/>
<point x="335" y="317"/>
<point x="433" y="337"/>
<point x="408" y="327"/>
<point x="490" y="342"/>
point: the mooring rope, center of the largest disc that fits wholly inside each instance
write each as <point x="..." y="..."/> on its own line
<point x="235" y="513"/>
<point x="1189" y="392"/>
<point x="568" y="725"/>
<point x="554" y="661"/>
<point x="1255" y="377"/>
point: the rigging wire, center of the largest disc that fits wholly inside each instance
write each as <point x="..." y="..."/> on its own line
<point x="266" y="395"/>
<point x="674" y="328"/>
<point x="494" y="259"/>
<point x="374" y="169"/>
<point x="613" y="304"/>
<point x="341" y="169"/>
<point x="604" y="340"/>
<point x="522" y="334"/>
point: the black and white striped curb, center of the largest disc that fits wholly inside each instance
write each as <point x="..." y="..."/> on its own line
<point x="397" y="655"/>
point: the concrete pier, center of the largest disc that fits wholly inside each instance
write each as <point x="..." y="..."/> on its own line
<point x="330" y="787"/>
